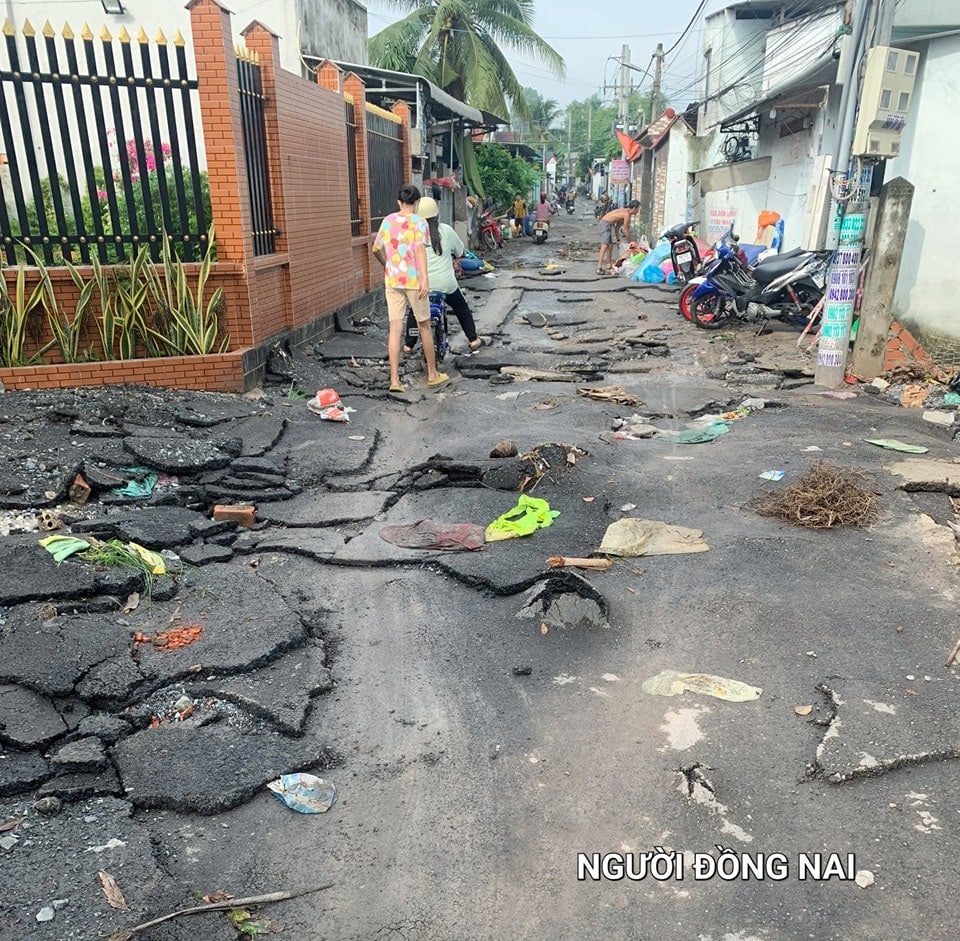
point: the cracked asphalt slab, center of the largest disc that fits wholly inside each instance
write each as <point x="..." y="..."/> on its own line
<point x="476" y="755"/>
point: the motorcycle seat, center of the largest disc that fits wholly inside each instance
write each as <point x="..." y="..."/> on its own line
<point x="771" y="268"/>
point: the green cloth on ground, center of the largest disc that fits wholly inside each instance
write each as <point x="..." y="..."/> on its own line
<point x="138" y="488"/>
<point x="891" y="444"/>
<point x="697" y="435"/>
<point x="62" y="547"/>
<point x="529" y="515"/>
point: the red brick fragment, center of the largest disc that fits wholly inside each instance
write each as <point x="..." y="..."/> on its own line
<point x="242" y="515"/>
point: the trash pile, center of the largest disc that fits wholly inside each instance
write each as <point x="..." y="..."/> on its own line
<point x="699" y="431"/>
<point x="326" y="403"/>
<point x="923" y="386"/>
<point x="824" y="497"/>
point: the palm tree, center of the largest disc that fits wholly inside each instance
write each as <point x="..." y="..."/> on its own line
<point x="456" y="44"/>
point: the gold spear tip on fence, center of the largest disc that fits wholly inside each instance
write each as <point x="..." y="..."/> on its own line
<point x="67" y="32"/>
<point x="86" y="33"/>
<point x="48" y="30"/>
<point x="161" y="39"/>
<point x="28" y="29"/>
<point x="8" y="28"/>
<point x="123" y="35"/>
<point x="142" y="37"/>
<point x="178" y="39"/>
<point x="105" y="34"/>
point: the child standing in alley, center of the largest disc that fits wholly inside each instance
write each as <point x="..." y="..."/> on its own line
<point x="401" y="247"/>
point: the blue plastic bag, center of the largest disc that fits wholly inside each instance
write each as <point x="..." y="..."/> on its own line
<point x="650" y="270"/>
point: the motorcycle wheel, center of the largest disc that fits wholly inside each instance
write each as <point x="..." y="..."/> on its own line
<point x="489" y="240"/>
<point x="709" y="312"/>
<point x="799" y="315"/>
<point x="439" y="342"/>
<point x="686" y="302"/>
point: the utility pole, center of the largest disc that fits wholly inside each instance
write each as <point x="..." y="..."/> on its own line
<point x="657" y="75"/>
<point x="849" y="223"/>
<point x="569" y="155"/>
<point x="623" y="110"/>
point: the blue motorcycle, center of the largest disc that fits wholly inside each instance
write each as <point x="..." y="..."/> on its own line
<point x="783" y="287"/>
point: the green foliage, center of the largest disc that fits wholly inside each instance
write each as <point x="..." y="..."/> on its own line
<point x="460" y="46"/>
<point x="132" y="309"/>
<point x="504" y="175"/>
<point x="67" y="329"/>
<point x="130" y="218"/>
<point x="186" y="323"/>
<point x="133" y="218"/>
<point x="15" y="316"/>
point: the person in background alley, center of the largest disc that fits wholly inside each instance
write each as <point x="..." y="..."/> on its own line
<point x="519" y="212"/>
<point x="401" y="247"/>
<point x="613" y="226"/>
<point x="445" y="245"/>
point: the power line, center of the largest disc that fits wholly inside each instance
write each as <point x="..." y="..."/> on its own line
<point x="693" y="19"/>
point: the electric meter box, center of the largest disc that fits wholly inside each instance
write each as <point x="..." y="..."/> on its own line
<point x="885" y="101"/>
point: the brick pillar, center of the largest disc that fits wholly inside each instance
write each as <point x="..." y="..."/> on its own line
<point x="266" y="44"/>
<point x="402" y="110"/>
<point x="354" y="88"/>
<point x="223" y="136"/>
<point x="330" y="76"/>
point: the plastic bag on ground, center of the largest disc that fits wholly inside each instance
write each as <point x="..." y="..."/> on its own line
<point x="635" y="537"/>
<point x="304" y="793"/>
<point x="427" y="534"/>
<point x="672" y="683"/>
<point x="62" y="547"/>
<point x="529" y="515"/>
<point x="652" y="264"/>
<point x="696" y="435"/>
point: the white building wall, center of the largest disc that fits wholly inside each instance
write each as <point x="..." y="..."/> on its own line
<point x="339" y="26"/>
<point x="929" y="283"/>
<point x="678" y="161"/>
<point x="790" y="166"/>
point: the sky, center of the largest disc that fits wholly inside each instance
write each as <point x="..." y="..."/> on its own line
<point x="592" y="45"/>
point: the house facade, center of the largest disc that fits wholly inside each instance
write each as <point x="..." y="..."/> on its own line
<point x="768" y="130"/>
<point x="335" y="29"/>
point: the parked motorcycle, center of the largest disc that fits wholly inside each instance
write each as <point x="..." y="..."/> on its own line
<point x="490" y="232"/>
<point x="438" y="327"/>
<point x="684" y="253"/>
<point x="603" y="207"/>
<point x="784" y="287"/>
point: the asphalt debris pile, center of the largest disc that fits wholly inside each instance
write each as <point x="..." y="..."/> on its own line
<point x="824" y="497"/>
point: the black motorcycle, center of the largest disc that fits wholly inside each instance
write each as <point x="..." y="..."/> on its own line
<point x="683" y="251"/>
<point x="785" y="287"/>
<point x="570" y="205"/>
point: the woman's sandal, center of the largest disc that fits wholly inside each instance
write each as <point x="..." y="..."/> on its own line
<point x="397" y="388"/>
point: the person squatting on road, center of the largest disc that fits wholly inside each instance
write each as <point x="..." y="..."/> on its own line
<point x="401" y="247"/>
<point x="612" y="227"/>
<point x="445" y="245"/>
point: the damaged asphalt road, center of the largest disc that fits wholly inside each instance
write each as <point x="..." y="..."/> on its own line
<point x="481" y="714"/>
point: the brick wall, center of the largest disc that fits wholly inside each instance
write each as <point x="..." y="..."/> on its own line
<point x="318" y="269"/>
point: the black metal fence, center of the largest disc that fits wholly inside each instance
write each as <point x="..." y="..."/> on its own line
<point x="353" y="128"/>
<point x="255" y="148"/>
<point x="384" y="162"/>
<point x="102" y="156"/>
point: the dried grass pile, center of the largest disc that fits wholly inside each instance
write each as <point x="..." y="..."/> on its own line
<point x="823" y="498"/>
